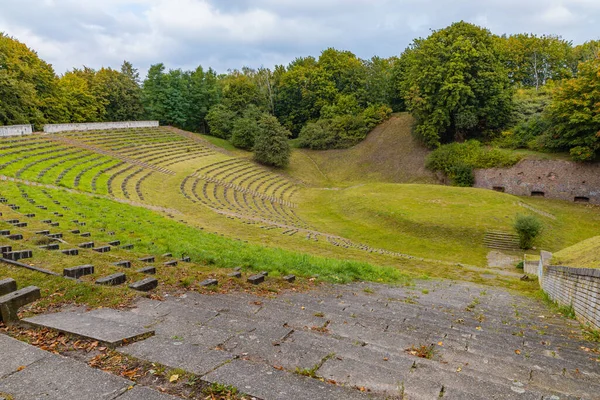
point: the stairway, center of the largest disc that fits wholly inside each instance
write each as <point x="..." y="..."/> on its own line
<point x="501" y="241"/>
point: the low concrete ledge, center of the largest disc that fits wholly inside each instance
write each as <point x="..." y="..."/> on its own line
<point x="10" y="303"/>
<point x="94" y="126"/>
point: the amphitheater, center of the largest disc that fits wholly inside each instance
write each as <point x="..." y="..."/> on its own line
<point x="80" y="203"/>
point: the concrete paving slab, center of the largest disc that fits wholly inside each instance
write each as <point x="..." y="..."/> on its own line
<point x="15" y="354"/>
<point x="59" y="378"/>
<point x="269" y="383"/>
<point x="177" y="354"/>
<point x="88" y="326"/>
<point x="145" y="393"/>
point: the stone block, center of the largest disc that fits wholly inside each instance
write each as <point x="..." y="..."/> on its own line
<point x="186" y="259"/>
<point x="52" y="246"/>
<point x="265" y="273"/>
<point x="167" y="255"/>
<point x="55" y="224"/>
<point x="70" y="252"/>
<point x="256" y="279"/>
<point x="42" y="233"/>
<point x="85" y="234"/>
<point x="235" y="274"/>
<point x="87" y="245"/>
<point x="171" y="263"/>
<point x="115" y="243"/>
<point x="55" y="235"/>
<point x="102" y="249"/>
<point x="18" y="255"/>
<point x="127" y="247"/>
<point x="5" y="249"/>
<point x="16" y="236"/>
<point x="209" y="282"/>
<point x="46" y="221"/>
<point x="12" y="221"/>
<point x="30" y="215"/>
<point x="150" y="270"/>
<point x="4" y="232"/>
<point x="75" y="231"/>
<point x="21" y="225"/>
<point x="289" y="278"/>
<point x="77" y="272"/>
<point x="112" y="280"/>
<point x="147" y="259"/>
<point x="7" y="286"/>
<point x="144" y="285"/>
<point x="11" y="302"/>
<point x="123" y="264"/>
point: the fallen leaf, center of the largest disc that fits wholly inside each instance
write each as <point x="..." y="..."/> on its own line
<point x="440" y="343"/>
<point x="21" y="368"/>
<point x="173" y="378"/>
<point x="458" y="369"/>
<point x="478" y="328"/>
<point x="517" y="351"/>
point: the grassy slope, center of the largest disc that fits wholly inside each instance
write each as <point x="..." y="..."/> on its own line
<point x="439" y="222"/>
<point x="585" y="254"/>
<point x="388" y="154"/>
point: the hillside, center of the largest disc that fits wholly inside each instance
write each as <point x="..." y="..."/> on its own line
<point x="585" y="254"/>
<point x="390" y="153"/>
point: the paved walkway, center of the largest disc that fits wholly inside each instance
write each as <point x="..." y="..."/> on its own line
<point x="359" y="341"/>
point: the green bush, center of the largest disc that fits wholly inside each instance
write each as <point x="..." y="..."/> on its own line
<point x="243" y="133"/>
<point x="271" y="145"/>
<point x="462" y="175"/>
<point x="528" y="227"/>
<point x="220" y="121"/>
<point x="375" y="115"/>
<point x="457" y="160"/>
<point x="582" y="153"/>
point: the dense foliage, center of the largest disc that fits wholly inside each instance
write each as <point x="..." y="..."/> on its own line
<point x="271" y="146"/>
<point x="461" y="82"/>
<point x="457" y="160"/>
<point x="456" y="85"/>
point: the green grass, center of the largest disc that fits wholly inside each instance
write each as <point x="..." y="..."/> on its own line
<point x="585" y="254"/>
<point x="153" y="233"/>
<point x="439" y="222"/>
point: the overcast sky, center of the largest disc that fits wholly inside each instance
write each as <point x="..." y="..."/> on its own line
<point x="230" y="34"/>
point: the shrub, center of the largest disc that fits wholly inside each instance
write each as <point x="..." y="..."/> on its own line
<point x="462" y="175"/>
<point x="459" y="159"/>
<point x="220" y="121"/>
<point x="271" y="145"/>
<point x="528" y="227"/>
<point x="582" y="153"/>
<point x="244" y="133"/>
<point x="376" y="114"/>
<point x="316" y="136"/>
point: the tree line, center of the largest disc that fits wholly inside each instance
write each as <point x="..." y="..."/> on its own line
<point x="460" y="83"/>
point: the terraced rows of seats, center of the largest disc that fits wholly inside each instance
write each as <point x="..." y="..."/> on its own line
<point x="242" y="189"/>
<point x="105" y="162"/>
<point x="152" y="146"/>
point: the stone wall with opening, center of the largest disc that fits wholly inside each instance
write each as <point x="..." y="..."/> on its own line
<point x="564" y="180"/>
<point x="15" y="130"/>
<point x="93" y="126"/>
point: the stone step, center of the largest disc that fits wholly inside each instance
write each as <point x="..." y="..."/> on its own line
<point x="7" y="286"/>
<point x="78" y="272"/>
<point x="90" y="327"/>
<point x="268" y="383"/>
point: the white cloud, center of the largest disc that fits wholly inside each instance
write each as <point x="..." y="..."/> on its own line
<point x="231" y="34"/>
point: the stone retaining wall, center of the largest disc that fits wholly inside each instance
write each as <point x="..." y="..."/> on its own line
<point x="564" y="180"/>
<point x="576" y="287"/>
<point x="15" y="130"/>
<point x="530" y="267"/>
<point x="92" y="126"/>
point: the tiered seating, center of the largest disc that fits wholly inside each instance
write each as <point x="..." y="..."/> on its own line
<point x="242" y="189"/>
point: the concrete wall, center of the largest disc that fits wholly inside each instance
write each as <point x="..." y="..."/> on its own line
<point x="564" y="180"/>
<point x="15" y="130"/>
<point x="530" y="268"/>
<point x="576" y="287"/>
<point x="91" y="126"/>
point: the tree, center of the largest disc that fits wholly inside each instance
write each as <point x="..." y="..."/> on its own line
<point x="81" y="103"/>
<point x="28" y="86"/>
<point x="271" y="146"/>
<point x="574" y="113"/>
<point x="455" y="84"/>
<point x="220" y="121"/>
<point x="120" y="92"/>
<point x="534" y="60"/>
